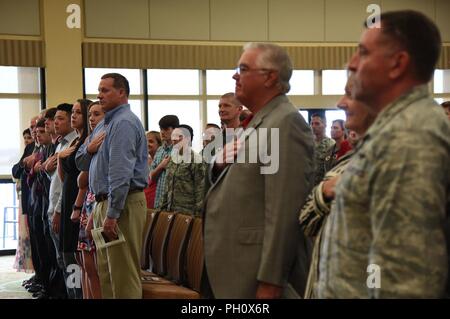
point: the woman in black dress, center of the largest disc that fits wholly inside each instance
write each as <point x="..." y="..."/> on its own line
<point x="68" y="173"/>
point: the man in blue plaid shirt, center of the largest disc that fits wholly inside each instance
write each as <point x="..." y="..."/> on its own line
<point x="162" y="157"/>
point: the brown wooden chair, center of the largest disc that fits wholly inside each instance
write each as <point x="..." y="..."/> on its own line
<point x="192" y="267"/>
<point x="176" y="250"/>
<point x="175" y="254"/>
<point x="159" y="241"/>
<point x="152" y="216"/>
<point x="195" y="257"/>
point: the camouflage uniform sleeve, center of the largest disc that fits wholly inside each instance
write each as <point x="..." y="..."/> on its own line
<point x="320" y="154"/>
<point x="200" y="171"/>
<point x="164" y="201"/>
<point x="407" y="188"/>
<point x="319" y="168"/>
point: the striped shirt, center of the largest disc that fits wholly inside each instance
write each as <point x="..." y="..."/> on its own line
<point x="162" y="152"/>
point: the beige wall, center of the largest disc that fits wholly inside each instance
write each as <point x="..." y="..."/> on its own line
<point x="219" y="20"/>
<point x="178" y="20"/>
<point x="245" y="20"/>
<point x="64" y="79"/>
<point x="19" y="17"/>
<point x="124" y="19"/>
<point x="442" y="18"/>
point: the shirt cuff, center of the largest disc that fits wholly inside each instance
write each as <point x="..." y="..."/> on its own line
<point x="84" y="161"/>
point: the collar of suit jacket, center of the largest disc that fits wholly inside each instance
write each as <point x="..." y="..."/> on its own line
<point x="266" y="110"/>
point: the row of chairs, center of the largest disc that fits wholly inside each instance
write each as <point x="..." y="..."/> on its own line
<point x="172" y="256"/>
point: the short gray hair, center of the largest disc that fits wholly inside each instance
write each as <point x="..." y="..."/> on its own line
<point x="274" y="57"/>
<point x="232" y="97"/>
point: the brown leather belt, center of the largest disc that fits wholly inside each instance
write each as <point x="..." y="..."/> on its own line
<point x="101" y="197"/>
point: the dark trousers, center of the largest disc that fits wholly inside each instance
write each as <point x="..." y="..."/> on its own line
<point x="205" y="288"/>
<point x="59" y="260"/>
<point x="56" y="282"/>
<point x="49" y="273"/>
<point x="73" y="283"/>
<point x="42" y="250"/>
<point x="34" y="250"/>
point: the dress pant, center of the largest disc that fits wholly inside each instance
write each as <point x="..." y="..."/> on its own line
<point x="34" y="250"/>
<point x="205" y="287"/>
<point x="55" y="239"/>
<point x="41" y="248"/>
<point x="56" y="285"/>
<point x="73" y="279"/>
<point x="119" y="265"/>
<point x="60" y="260"/>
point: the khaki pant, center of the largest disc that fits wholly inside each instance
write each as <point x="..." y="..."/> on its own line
<point x="119" y="265"/>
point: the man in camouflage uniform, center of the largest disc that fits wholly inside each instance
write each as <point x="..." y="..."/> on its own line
<point x="385" y="234"/>
<point x="184" y="188"/>
<point x="322" y="144"/>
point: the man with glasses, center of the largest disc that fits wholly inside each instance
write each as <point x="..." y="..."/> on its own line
<point x="251" y="233"/>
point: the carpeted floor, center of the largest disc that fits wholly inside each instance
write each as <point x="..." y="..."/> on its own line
<point x="11" y="280"/>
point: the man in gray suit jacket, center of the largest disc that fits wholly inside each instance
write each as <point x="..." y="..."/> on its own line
<point x="252" y="241"/>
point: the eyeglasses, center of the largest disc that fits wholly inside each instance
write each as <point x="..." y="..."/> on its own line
<point x="245" y="69"/>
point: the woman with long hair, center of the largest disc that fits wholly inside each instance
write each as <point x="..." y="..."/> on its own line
<point x="82" y="212"/>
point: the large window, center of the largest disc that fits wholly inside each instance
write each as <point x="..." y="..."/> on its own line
<point x="193" y="95"/>
<point x="332" y="115"/>
<point x="441" y="85"/>
<point x="302" y="82"/>
<point x="333" y="82"/>
<point x="173" y="82"/>
<point x="9" y="216"/>
<point x="10" y="146"/>
<point x="188" y="112"/>
<point x="212" y="112"/>
<point x="441" y="81"/>
<point x="304" y="114"/>
<point x="175" y="92"/>
<point x="19" y="100"/>
<point x="219" y="82"/>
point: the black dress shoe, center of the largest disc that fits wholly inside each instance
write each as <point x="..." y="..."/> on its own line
<point x="34" y="288"/>
<point x="40" y="295"/>
<point x="28" y="286"/>
<point x="28" y="281"/>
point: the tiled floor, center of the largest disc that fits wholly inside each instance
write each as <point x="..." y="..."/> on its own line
<point x="11" y="280"/>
